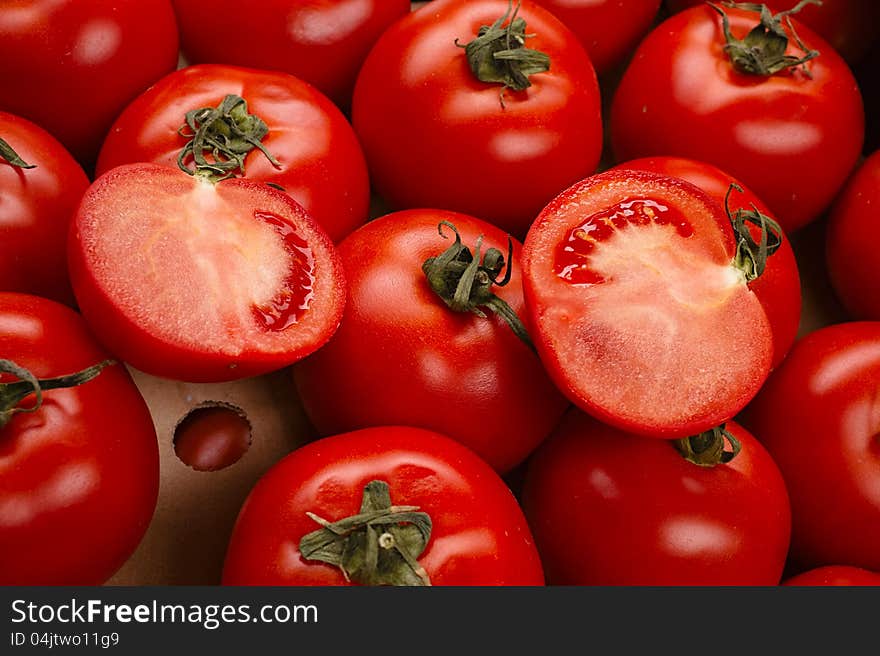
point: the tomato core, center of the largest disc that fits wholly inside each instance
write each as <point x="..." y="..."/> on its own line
<point x="297" y="289"/>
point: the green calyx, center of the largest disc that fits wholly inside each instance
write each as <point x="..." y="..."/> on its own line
<point x="11" y="394"/>
<point x="762" y="51"/>
<point x="708" y="448"/>
<point x="464" y="282"/>
<point x="498" y="55"/>
<point x="751" y="255"/>
<point x="8" y="154"/>
<point x="220" y="138"/>
<point x="378" y="546"/>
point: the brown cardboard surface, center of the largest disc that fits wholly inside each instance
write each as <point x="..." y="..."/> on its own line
<point x="186" y="541"/>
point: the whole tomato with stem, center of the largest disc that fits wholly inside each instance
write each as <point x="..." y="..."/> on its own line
<point x="79" y="463"/>
<point x="609" y="30"/>
<point x="71" y="66"/>
<point x="756" y="94"/>
<point x="639" y="289"/>
<point x="850" y="26"/>
<point x="323" y="42"/>
<point x="852" y="231"/>
<point x="485" y="107"/>
<point x="40" y="186"/>
<point x="438" y="515"/>
<point x="779" y="286"/>
<point x="611" y="508"/>
<point x="291" y="136"/>
<point x="817" y="415"/>
<point x="429" y="339"/>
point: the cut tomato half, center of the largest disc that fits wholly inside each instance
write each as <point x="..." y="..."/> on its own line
<point x="202" y="282"/>
<point x="639" y="312"/>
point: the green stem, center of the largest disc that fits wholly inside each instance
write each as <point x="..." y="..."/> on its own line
<point x="220" y="138"/>
<point x="12" y="157"/>
<point x="465" y="283"/>
<point x="378" y="546"/>
<point x="498" y="55"/>
<point x="11" y="394"/>
<point x="762" y="51"/>
<point x="707" y="448"/>
<point x="751" y="256"/>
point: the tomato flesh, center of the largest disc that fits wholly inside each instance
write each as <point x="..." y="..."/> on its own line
<point x="639" y="311"/>
<point x="226" y="276"/>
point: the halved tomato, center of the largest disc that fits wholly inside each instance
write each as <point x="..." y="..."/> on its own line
<point x="197" y="281"/>
<point x="637" y="288"/>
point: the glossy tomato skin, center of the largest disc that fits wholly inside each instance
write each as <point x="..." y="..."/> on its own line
<point x="401" y="356"/>
<point x="479" y="535"/>
<point x="35" y="210"/>
<point x="321" y="163"/>
<point x="851" y="26"/>
<point x="609" y="30"/>
<point x="54" y="52"/>
<point x="638" y="317"/>
<point x="79" y="478"/>
<point x="834" y="575"/>
<point x="611" y="508"/>
<point x="323" y="42"/>
<point x="174" y="274"/>
<point x="435" y="136"/>
<point x="817" y="415"/>
<point x="791" y="138"/>
<point x="779" y="287"/>
<point x="852" y="232"/>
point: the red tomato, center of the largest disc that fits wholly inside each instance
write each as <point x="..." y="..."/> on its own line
<point x="436" y="136"/>
<point x="835" y="575"/>
<point x="779" y="287"/>
<point x="852" y="232"/>
<point x="609" y="30"/>
<point x="818" y="417"/>
<point x="792" y="137"/>
<point x="401" y="356"/>
<point x="79" y="477"/>
<point x="851" y="26"/>
<point x="202" y="282"/>
<point x="642" y="314"/>
<point x="35" y="209"/>
<point x="477" y="533"/>
<point x="71" y="66"/>
<point x="319" y="160"/>
<point x="611" y="508"/>
<point x="323" y="42"/>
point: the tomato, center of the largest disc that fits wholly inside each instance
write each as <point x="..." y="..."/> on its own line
<point x="401" y="356"/>
<point x="191" y="280"/>
<point x="611" y="508"/>
<point x="852" y="231"/>
<point x="641" y="306"/>
<point x="835" y="575"/>
<point x="609" y="30"/>
<point x="461" y="525"/>
<point x="851" y="26"/>
<point x="436" y="136"/>
<point x="817" y="415"/>
<point x="79" y="476"/>
<point x="71" y="66"/>
<point x="793" y="137"/>
<point x="317" y="158"/>
<point x="779" y="287"/>
<point x="323" y="42"/>
<point x="37" y="198"/>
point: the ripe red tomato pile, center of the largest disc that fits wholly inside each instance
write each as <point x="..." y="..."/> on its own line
<point x="548" y="277"/>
